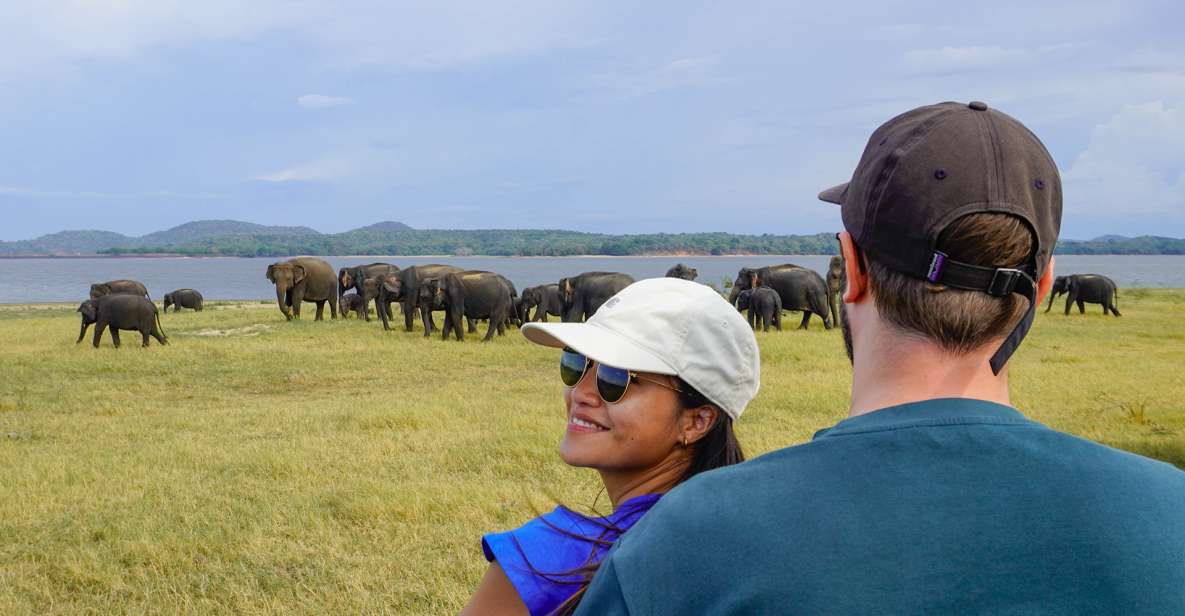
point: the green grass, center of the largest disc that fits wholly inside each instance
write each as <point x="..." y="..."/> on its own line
<point x="260" y="466"/>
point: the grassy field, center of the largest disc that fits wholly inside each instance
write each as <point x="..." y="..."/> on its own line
<point x="259" y="466"/>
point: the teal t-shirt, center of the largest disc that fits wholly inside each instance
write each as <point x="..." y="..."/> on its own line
<point x="948" y="506"/>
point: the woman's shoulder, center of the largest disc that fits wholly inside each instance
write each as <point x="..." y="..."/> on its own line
<point x="543" y="557"/>
<point x="564" y="527"/>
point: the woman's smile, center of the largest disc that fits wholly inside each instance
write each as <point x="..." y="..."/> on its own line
<point x="579" y="423"/>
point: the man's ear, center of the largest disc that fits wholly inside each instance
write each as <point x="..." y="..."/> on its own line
<point x="1045" y="283"/>
<point x="854" y="271"/>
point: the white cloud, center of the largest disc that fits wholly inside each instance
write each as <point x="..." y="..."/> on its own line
<point x="320" y="101"/>
<point x="1135" y="163"/>
<point x="318" y="171"/>
<point x="693" y="71"/>
<point x="42" y="38"/>
<point x="966" y="59"/>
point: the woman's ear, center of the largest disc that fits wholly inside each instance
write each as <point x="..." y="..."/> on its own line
<point x="697" y="422"/>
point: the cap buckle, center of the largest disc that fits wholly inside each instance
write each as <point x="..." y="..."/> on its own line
<point x="1003" y="281"/>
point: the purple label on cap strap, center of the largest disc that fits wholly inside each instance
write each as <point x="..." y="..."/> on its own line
<point x="936" y="266"/>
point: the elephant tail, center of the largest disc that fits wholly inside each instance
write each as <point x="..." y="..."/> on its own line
<point x="160" y="328"/>
<point x="1116" y="300"/>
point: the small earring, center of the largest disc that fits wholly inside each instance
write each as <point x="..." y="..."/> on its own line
<point x="684" y="441"/>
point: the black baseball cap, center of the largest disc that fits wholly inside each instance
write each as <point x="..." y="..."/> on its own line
<point x="930" y="166"/>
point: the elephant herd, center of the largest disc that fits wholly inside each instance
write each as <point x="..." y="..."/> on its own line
<point x="466" y="297"/>
<point x="469" y="296"/>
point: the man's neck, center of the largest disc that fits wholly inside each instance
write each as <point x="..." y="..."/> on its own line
<point x="892" y="368"/>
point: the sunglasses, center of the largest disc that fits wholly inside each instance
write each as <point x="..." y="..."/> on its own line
<point x="612" y="383"/>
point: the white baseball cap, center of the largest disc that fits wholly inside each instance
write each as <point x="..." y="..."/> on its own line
<point x="668" y="326"/>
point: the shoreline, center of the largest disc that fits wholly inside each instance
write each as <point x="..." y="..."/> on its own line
<point x="179" y="256"/>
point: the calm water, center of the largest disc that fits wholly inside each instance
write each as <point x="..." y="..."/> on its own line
<point x="68" y="280"/>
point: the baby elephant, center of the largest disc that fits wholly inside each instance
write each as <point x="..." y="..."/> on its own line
<point x="764" y="305"/>
<point x="121" y="312"/>
<point x="352" y="302"/>
<point x="184" y="298"/>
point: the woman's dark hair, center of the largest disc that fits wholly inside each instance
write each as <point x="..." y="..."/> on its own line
<point x="718" y="448"/>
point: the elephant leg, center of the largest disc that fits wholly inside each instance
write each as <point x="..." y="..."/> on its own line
<point x="1081" y="306"/>
<point x="778" y="319"/>
<point x="806" y="320"/>
<point x="320" y="311"/>
<point x="297" y="300"/>
<point x="472" y="325"/>
<point x="426" y="317"/>
<point x="1069" y="302"/>
<point x="408" y="315"/>
<point x="144" y="338"/>
<point x="115" y="336"/>
<point x="1114" y="310"/>
<point x="99" y="327"/>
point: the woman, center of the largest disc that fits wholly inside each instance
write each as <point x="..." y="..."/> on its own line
<point x="653" y="382"/>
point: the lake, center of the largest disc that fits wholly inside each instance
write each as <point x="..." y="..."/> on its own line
<point x="69" y="280"/>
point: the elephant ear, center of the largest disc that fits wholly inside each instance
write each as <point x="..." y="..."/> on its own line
<point x="754" y="280"/>
<point x="297" y="274"/>
<point x="270" y="269"/>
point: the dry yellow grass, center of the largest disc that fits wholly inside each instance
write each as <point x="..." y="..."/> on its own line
<point x="259" y="466"/>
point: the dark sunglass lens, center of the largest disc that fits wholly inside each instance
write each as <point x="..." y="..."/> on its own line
<point x="572" y="366"/>
<point x="611" y="382"/>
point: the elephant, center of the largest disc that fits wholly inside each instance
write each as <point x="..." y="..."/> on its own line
<point x="390" y="291"/>
<point x="409" y="294"/>
<point x="764" y="306"/>
<point x="352" y="302"/>
<point x="469" y="294"/>
<point x="120" y="311"/>
<point x="800" y="289"/>
<point x="303" y="279"/>
<point x="683" y="271"/>
<point x="118" y="287"/>
<point x="836" y="280"/>
<point x="353" y="278"/>
<point x="184" y="298"/>
<point x="545" y="299"/>
<point x="370" y="289"/>
<point x="582" y="295"/>
<point x="1082" y="288"/>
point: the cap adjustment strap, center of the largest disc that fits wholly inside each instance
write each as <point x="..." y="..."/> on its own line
<point x="995" y="281"/>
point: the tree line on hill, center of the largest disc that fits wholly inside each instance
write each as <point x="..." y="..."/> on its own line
<point x="242" y="239"/>
<point x="495" y="242"/>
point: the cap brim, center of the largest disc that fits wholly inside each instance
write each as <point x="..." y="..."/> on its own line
<point x="599" y="344"/>
<point x="835" y="194"/>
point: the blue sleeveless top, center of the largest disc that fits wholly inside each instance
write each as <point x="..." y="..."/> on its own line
<point x="537" y="555"/>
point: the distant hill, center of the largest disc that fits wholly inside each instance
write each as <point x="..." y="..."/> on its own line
<point x="244" y="239"/>
<point x="71" y="243"/>
<point x="206" y="229"/>
<point x="382" y="227"/>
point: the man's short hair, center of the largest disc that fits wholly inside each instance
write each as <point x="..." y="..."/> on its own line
<point x="958" y="321"/>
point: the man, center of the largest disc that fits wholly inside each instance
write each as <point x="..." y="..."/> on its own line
<point x="934" y="496"/>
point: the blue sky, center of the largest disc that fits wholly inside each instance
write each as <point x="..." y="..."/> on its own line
<point x="599" y="116"/>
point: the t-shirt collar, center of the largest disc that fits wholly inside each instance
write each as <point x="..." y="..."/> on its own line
<point x="937" y="411"/>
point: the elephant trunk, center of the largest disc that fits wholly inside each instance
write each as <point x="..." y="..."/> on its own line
<point x="282" y="301"/>
<point x="732" y="296"/>
<point x="1051" y="296"/>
